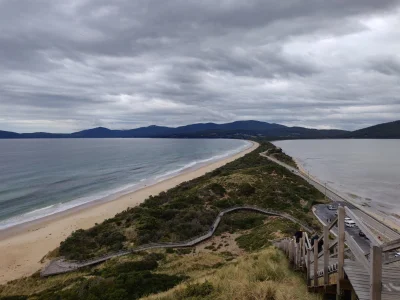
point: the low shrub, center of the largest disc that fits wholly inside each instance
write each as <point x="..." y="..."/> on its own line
<point x="217" y="189"/>
<point x="125" y="286"/>
<point x="246" y="189"/>
<point x="195" y="291"/>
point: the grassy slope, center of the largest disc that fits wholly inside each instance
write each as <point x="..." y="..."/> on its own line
<point x="261" y="275"/>
<point x="178" y="214"/>
<point x="264" y="274"/>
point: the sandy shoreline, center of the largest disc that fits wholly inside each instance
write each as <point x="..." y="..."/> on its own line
<point x="24" y="246"/>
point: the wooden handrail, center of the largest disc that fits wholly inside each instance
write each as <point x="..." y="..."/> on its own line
<point x="326" y="254"/>
<point x="320" y="254"/>
<point x="357" y="251"/>
<point x="330" y="226"/>
<point x="334" y="243"/>
<point x="315" y="264"/>
<point x="308" y="243"/>
<point x="373" y="266"/>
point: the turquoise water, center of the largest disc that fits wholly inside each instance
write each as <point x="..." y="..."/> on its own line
<point x="368" y="171"/>
<point x="42" y="177"/>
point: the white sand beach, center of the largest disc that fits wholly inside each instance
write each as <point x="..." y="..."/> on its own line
<point x="23" y="247"/>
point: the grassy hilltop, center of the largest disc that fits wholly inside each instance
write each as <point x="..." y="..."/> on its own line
<point x="240" y="252"/>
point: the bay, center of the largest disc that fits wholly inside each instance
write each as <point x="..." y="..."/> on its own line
<point x="367" y="171"/>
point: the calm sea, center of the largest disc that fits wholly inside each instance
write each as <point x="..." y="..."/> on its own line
<point x="42" y="177"/>
<point x="368" y="171"/>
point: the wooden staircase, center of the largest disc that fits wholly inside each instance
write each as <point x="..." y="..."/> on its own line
<point x="342" y="267"/>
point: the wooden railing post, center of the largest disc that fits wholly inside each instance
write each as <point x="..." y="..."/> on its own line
<point x="386" y="256"/>
<point x="315" y="262"/>
<point x="302" y="254"/>
<point x="341" y="237"/>
<point x="326" y="255"/>
<point x="294" y="251"/>
<point x="308" y="267"/>
<point x="376" y="273"/>
<point x="299" y="254"/>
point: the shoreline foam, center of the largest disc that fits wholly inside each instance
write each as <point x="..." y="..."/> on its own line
<point x="111" y="194"/>
<point x="26" y="244"/>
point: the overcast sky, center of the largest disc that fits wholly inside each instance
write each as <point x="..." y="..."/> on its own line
<point x="67" y="65"/>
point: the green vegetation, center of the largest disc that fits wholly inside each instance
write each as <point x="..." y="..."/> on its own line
<point x="262" y="275"/>
<point x="190" y="208"/>
<point x="260" y="236"/>
<point x="130" y="285"/>
<point x="240" y="221"/>
<point x="195" y="291"/>
<point x="116" y="280"/>
<point x="283" y="157"/>
<point x="176" y="215"/>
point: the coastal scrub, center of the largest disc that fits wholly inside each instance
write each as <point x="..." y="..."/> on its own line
<point x="190" y="208"/>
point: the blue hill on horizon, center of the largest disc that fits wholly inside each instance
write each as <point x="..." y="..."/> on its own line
<point x="237" y="129"/>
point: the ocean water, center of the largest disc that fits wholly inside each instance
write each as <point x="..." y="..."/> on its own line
<point x="367" y="171"/>
<point x="45" y="176"/>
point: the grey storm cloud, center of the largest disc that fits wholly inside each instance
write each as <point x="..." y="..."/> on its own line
<point x="71" y="65"/>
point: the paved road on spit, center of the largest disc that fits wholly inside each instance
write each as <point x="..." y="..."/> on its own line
<point x="326" y="216"/>
<point x="376" y="226"/>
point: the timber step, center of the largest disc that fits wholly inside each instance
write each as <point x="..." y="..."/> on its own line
<point x="367" y="275"/>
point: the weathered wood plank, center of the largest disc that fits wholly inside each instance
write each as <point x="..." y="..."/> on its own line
<point x="326" y="255"/>
<point x="333" y="244"/>
<point x="315" y="263"/>
<point x="392" y="245"/>
<point x="308" y="268"/>
<point x="330" y="226"/>
<point x="357" y="251"/>
<point x="308" y="243"/>
<point x="302" y="253"/>
<point x="358" y="278"/>
<point x="341" y="237"/>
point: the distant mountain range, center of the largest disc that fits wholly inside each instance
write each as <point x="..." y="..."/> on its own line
<point x="238" y="129"/>
<point x="389" y="130"/>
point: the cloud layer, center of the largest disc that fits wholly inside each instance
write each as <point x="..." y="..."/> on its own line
<point x="70" y="65"/>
